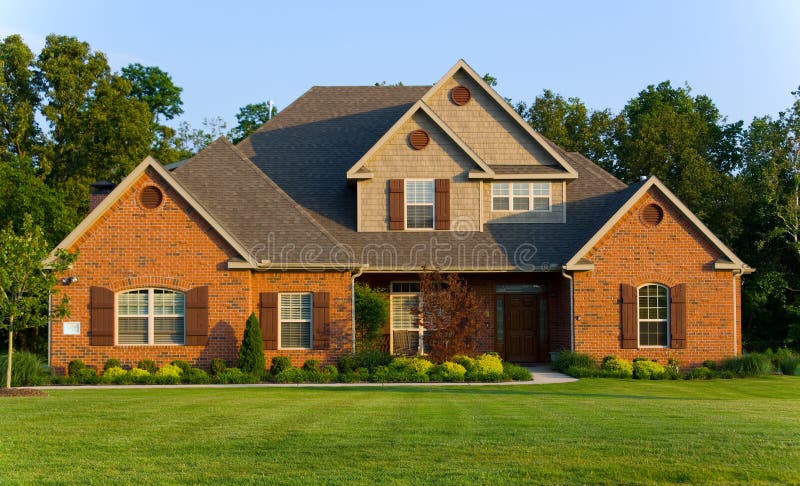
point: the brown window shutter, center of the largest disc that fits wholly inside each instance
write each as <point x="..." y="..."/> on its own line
<point x="442" y="204"/>
<point x="677" y="316"/>
<point x="102" y="316"/>
<point x="321" y="319"/>
<point x="268" y="319"/>
<point x="630" y="321"/>
<point x="397" y="204"/>
<point x="197" y="316"/>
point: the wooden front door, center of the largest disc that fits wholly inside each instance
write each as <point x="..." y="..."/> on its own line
<point x="521" y="327"/>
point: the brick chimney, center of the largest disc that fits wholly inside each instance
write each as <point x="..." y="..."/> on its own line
<point x="98" y="191"/>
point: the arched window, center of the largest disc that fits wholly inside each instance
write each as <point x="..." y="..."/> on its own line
<point x="151" y="316"/>
<point x="653" y="315"/>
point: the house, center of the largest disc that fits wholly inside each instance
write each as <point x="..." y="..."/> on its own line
<point x="376" y="184"/>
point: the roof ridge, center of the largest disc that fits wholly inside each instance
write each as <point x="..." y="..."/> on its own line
<point x="280" y="191"/>
<point x="604" y="174"/>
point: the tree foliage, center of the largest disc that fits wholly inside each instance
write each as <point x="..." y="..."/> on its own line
<point x="251" y="351"/>
<point x="372" y="314"/>
<point x="452" y="314"/>
<point x="250" y="118"/>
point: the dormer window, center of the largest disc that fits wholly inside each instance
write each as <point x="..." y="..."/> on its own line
<point x="419" y="203"/>
<point x="521" y="196"/>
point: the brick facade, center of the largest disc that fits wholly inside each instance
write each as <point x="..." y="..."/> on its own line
<point x="670" y="253"/>
<point x="173" y="247"/>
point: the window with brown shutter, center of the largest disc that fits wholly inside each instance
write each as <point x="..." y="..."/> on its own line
<point x="268" y="319"/>
<point x="442" y="204"/>
<point x="677" y="316"/>
<point x="321" y="320"/>
<point x="102" y="316"/>
<point x="630" y="328"/>
<point x="396" y="204"/>
<point x="197" y="317"/>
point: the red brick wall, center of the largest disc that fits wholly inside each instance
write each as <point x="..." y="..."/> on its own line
<point x="670" y="253"/>
<point x="173" y="247"/>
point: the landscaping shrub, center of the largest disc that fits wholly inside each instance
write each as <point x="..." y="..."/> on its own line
<point x="290" y="375"/>
<point x="86" y="376"/>
<point x="568" y="359"/>
<point x="111" y="363"/>
<point x="726" y="374"/>
<point x="217" y="366"/>
<point x="116" y="375"/>
<point x="465" y="361"/>
<point x="790" y="366"/>
<point x="404" y="370"/>
<point x="647" y="370"/>
<point x="617" y="366"/>
<point x="168" y="375"/>
<point x="311" y="365"/>
<point x="332" y="372"/>
<point x="701" y="373"/>
<point x="196" y="376"/>
<point x="183" y="365"/>
<point x="140" y="376"/>
<point x="348" y="363"/>
<point x="448" y="372"/>
<point x="235" y="376"/>
<point x="710" y="364"/>
<point x="148" y="365"/>
<point x="354" y="376"/>
<point x="279" y="364"/>
<point x="779" y="356"/>
<point x="74" y="367"/>
<point x="583" y="372"/>
<point x="371" y="359"/>
<point x="371" y="314"/>
<point x="749" y="364"/>
<point x="27" y="369"/>
<point x="251" y="352"/>
<point x="515" y="373"/>
<point x="487" y="367"/>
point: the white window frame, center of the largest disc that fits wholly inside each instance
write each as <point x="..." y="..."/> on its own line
<point x="151" y="316"/>
<point x="531" y="197"/>
<point x="406" y="204"/>
<point x="639" y="320"/>
<point x="310" y="320"/>
<point x="420" y="328"/>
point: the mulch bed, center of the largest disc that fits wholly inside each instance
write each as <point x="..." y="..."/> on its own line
<point x="21" y="392"/>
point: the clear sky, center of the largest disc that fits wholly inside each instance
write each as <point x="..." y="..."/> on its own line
<point x="225" y="54"/>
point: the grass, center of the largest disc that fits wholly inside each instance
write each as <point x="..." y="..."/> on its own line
<point x="591" y="431"/>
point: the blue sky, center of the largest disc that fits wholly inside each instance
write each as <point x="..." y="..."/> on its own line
<point x="745" y="55"/>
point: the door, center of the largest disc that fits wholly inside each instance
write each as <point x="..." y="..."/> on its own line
<point x="521" y="327"/>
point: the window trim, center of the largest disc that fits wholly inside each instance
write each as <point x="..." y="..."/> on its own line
<point x="432" y="204"/>
<point x="151" y="316"/>
<point x="639" y="320"/>
<point x="531" y="197"/>
<point x="420" y="328"/>
<point x="310" y="321"/>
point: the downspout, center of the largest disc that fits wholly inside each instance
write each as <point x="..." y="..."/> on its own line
<point x="353" y="304"/>
<point x="571" y="310"/>
<point x="49" y="326"/>
<point x="736" y="273"/>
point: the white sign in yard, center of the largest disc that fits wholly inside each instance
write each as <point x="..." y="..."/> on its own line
<point x="72" y="328"/>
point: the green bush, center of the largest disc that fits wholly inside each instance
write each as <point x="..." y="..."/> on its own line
<point x="279" y="364"/>
<point x="568" y="359"/>
<point x="726" y="374"/>
<point x="448" y="372"/>
<point x="780" y="355"/>
<point x="183" y="365"/>
<point x="74" y="367"/>
<point x="371" y="359"/>
<point x="235" y="376"/>
<point x="790" y="366"/>
<point x="348" y="363"/>
<point x="251" y="352"/>
<point x="311" y="365"/>
<point x="111" y="363"/>
<point x="196" y="376"/>
<point x="710" y="364"/>
<point x="87" y="376"/>
<point x="617" y="366"/>
<point x="168" y="375"/>
<point x="27" y="369"/>
<point x="354" y="376"/>
<point x="140" y="376"/>
<point x="583" y="372"/>
<point x="648" y="370"/>
<point x="749" y="364"/>
<point x="465" y="361"/>
<point x="148" y="365"/>
<point x="515" y="373"/>
<point x="217" y="366"/>
<point x="371" y="313"/>
<point x="701" y="373"/>
<point x="117" y="376"/>
<point x="487" y="367"/>
<point x="290" y="375"/>
<point x="404" y="370"/>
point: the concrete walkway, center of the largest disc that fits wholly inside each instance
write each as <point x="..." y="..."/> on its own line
<point x="542" y="375"/>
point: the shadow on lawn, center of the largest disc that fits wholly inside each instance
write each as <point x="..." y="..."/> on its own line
<point x="506" y="391"/>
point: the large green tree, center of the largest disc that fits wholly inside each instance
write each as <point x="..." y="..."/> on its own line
<point x="250" y="118"/>
<point x="19" y="100"/>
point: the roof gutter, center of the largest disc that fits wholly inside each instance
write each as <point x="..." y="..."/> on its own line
<point x="267" y="265"/>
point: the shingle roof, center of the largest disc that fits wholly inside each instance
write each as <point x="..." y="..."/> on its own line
<point x="502" y="169"/>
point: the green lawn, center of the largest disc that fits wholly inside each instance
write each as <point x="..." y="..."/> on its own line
<point x="592" y="431"/>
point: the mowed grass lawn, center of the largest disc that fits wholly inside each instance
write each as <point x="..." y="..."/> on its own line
<point x="592" y="431"/>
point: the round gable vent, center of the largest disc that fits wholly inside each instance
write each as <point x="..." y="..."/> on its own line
<point x="460" y="95"/>
<point x="652" y="214"/>
<point x="419" y="139"/>
<point x="150" y="197"/>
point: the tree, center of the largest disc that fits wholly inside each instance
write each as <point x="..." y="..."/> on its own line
<point x="452" y="314"/>
<point x="571" y="125"/>
<point x="372" y="314"/>
<point x="190" y="140"/>
<point x="251" y="352"/>
<point x="25" y="282"/>
<point x="250" y="118"/>
<point x="19" y="100"/>
<point x="155" y="87"/>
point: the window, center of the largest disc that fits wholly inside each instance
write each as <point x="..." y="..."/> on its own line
<point x="295" y="321"/>
<point x="419" y="204"/>
<point x="407" y="334"/>
<point x="520" y="196"/>
<point x="653" y="318"/>
<point x="150" y="316"/>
